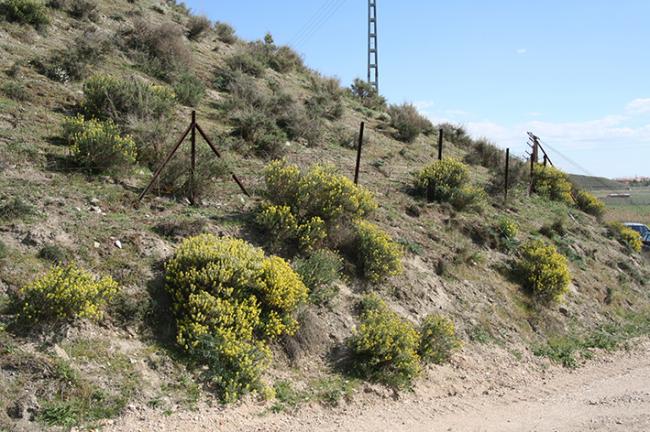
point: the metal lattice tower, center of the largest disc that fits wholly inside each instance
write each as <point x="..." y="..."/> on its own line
<point x="373" y="62"/>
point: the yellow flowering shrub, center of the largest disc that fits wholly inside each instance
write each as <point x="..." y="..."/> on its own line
<point x="310" y="208"/>
<point x="447" y="180"/>
<point x="589" y="203"/>
<point x="231" y="301"/>
<point x="438" y="339"/>
<point x="552" y="184"/>
<point x="379" y="256"/>
<point x="66" y="293"/>
<point x="508" y="228"/>
<point x="384" y="346"/>
<point x="544" y="271"/>
<point x="626" y="236"/>
<point x="98" y="145"/>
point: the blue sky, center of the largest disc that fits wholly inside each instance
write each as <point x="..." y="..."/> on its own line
<point x="574" y="72"/>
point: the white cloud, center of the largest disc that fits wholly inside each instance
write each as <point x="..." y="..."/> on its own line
<point x="639" y="106"/>
<point x="522" y="51"/>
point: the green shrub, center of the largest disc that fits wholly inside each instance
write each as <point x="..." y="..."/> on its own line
<point x="53" y="253"/>
<point x="71" y="63"/>
<point x="109" y="98"/>
<point x="544" y="271"/>
<point x="508" y="228"/>
<point x="378" y="255"/>
<point x="455" y="134"/>
<point x="626" y="236"/>
<point x="98" y="145"/>
<point x="447" y="181"/>
<point x="196" y="26"/>
<point x="552" y="184"/>
<point x="385" y="346"/>
<point x="408" y="122"/>
<point x="66" y="293"/>
<point x="589" y="203"/>
<point x="438" y="339"/>
<point x="83" y="9"/>
<point x="225" y="33"/>
<point x="3" y="250"/>
<point x="15" y="90"/>
<point x="485" y="153"/>
<point x="160" y="50"/>
<point x="259" y="129"/>
<point x="326" y="100"/>
<point x="245" y="62"/>
<point x="367" y="95"/>
<point x="189" y="90"/>
<point x="30" y="12"/>
<point x="230" y="301"/>
<point x="319" y="272"/>
<point x="15" y="208"/>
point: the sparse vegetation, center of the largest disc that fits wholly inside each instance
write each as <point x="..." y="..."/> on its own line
<point x="83" y="9"/>
<point x="367" y="95"/>
<point x="225" y="33"/>
<point x="15" y="90"/>
<point x="189" y="90"/>
<point x="197" y="26"/>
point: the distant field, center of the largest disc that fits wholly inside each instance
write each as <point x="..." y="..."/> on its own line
<point x="596" y="183"/>
<point x="636" y="208"/>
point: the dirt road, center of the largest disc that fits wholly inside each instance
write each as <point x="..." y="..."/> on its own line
<point x="611" y="393"/>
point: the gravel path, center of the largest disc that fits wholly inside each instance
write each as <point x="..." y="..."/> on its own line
<point x="611" y="393"/>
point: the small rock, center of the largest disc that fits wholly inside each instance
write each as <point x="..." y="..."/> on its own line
<point x="118" y="244"/>
<point x="96" y="244"/>
<point x="94" y="201"/>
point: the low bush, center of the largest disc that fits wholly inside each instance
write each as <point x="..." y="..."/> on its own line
<point x="408" y="122"/>
<point x="189" y="90"/>
<point x="230" y="301"/>
<point x="485" y="153"/>
<point x="367" y="95"/>
<point x="626" y="236"/>
<point x="551" y="183"/>
<point x="225" y="33"/>
<point x="15" y="208"/>
<point x="32" y="12"/>
<point x="245" y="62"/>
<point x="589" y="203"/>
<point x="508" y="228"/>
<point x="447" y="181"/>
<point x="3" y="250"/>
<point x="54" y="254"/>
<point x="15" y="90"/>
<point x="66" y="293"/>
<point x="544" y="271"/>
<point x="260" y="130"/>
<point x="71" y="64"/>
<point x="196" y="26"/>
<point x="160" y="50"/>
<point x="83" y="9"/>
<point x="109" y="98"/>
<point x="319" y="271"/>
<point x="455" y="134"/>
<point x="438" y="339"/>
<point x="98" y="145"/>
<point x="384" y="346"/>
<point x="377" y="254"/>
<point x="326" y="100"/>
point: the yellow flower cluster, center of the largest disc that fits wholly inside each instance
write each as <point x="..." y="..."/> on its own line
<point x="66" y="293"/>
<point x="440" y="179"/>
<point x="98" y="144"/>
<point x="230" y="292"/>
<point x="552" y="184"/>
<point x="379" y="256"/>
<point x="437" y="339"/>
<point x="281" y="224"/>
<point x="508" y="228"/>
<point x="589" y="203"/>
<point x="626" y="236"/>
<point x="544" y="271"/>
<point x="385" y="346"/>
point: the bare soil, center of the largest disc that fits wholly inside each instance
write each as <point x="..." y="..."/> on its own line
<point x="610" y="393"/>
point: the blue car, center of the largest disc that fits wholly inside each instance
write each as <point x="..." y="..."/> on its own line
<point x="643" y="231"/>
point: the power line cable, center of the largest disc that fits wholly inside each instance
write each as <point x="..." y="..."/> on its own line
<point x="320" y="24"/>
<point x="316" y="16"/>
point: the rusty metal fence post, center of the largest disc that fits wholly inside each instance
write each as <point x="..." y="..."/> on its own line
<point x="356" y="169"/>
<point x="507" y="173"/>
<point x="440" y="137"/>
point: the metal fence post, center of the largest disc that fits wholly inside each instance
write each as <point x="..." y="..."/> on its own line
<point x="440" y="137"/>
<point x="356" y="170"/>
<point x="507" y="173"/>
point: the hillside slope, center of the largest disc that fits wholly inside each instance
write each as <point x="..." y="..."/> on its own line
<point x="52" y="209"/>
